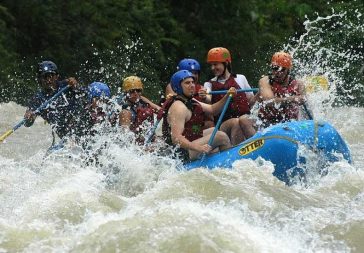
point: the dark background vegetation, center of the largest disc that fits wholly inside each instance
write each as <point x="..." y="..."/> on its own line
<point x="107" y="40"/>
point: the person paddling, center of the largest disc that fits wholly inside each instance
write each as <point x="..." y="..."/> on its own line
<point x="183" y="119"/>
<point x="137" y="112"/>
<point x="194" y="67"/>
<point x="67" y="115"/>
<point x="280" y="92"/>
<point x="100" y="105"/>
<point x="238" y="128"/>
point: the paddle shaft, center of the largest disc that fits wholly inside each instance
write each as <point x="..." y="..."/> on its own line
<point x="308" y="112"/>
<point x="41" y="107"/>
<point x="313" y="84"/>
<point x="149" y="137"/>
<point x="217" y="92"/>
<point x="46" y="103"/>
<point x="218" y="124"/>
<point x="212" y="137"/>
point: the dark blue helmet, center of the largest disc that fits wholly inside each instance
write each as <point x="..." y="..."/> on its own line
<point x="97" y="90"/>
<point x="177" y="78"/>
<point x="189" y="64"/>
<point x="45" y="67"/>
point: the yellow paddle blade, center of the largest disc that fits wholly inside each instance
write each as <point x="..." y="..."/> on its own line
<point x="316" y="83"/>
<point x="3" y="137"/>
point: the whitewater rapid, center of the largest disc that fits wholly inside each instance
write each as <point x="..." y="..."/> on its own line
<point x="140" y="202"/>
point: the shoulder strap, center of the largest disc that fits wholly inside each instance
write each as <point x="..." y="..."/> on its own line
<point x="167" y="104"/>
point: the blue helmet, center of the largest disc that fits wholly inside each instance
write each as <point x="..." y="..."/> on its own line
<point x="98" y="89"/>
<point x="45" y="67"/>
<point x="177" y="78"/>
<point x="189" y="64"/>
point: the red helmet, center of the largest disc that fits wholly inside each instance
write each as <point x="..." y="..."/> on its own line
<point x="282" y="59"/>
<point x="218" y="54"/>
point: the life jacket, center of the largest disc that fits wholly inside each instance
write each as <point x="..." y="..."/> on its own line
<point x="68" y="114"/>
<point x="193" y="128"/>
<point x="141" y="112"/>
<point x="239" y="104"/>
<point x="97" y="116"/>
<point x="274" y="114"/>
<point x="197" y="88"/>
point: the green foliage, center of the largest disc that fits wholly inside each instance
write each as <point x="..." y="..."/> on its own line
<point x="7" y="52"/>
<point x="107" y="40"/>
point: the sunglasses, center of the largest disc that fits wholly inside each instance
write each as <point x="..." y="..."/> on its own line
<point x="277" y="68"/>
<point x="135" y="90"/>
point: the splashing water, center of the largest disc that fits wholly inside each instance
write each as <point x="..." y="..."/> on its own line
<point x="112" y="66"/>
<point x="332" y="47"/>
<point x="128" y="200"/>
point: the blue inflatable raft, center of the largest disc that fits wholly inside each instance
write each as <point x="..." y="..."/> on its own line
<point x="280" y="145"/>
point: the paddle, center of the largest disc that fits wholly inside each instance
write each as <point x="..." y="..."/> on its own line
<point x="41" y="107"/>
<point x="55" y="147"/>
<point x="307" y="111"/>
<point x="314" y="84"/>
<point x="211" y="140"/>
<point x="150" y="134"/>
<point x="216" y="92"/>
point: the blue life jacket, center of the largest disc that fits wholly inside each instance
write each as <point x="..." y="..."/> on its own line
<point x="68" y="114"/>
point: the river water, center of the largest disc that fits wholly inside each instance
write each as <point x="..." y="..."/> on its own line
<point x="133" y="201"/>
<point x="59" y="204"/>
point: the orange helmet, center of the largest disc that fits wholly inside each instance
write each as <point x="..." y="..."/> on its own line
<point x="282" y="59"/>
<point x="218" y="54"/>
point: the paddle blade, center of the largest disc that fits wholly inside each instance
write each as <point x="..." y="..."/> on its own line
<point x="5" y="135"/>
<point x="316" y="83"/>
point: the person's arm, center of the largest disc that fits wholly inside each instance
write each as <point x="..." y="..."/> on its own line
<point x="216" y="108"/>
<point x="268" y="97"/>
<point x="76" y="90"/>
<point x="301" y="98"/>
<point x="208" y="87"/>
<point x="177" y="117"/>
<point x="265" y="89"/>
<point x="254" y="99"/>
<point x="154" y="106"/>
<point x="202" y="93"/>
<point x="72" y="82"/>
<point x="29" y="117"/>
<point x="125" y="118"/>
<point x="169" y="91"/>
<point x="251" y="97"/>
<point x="301" y="87"/>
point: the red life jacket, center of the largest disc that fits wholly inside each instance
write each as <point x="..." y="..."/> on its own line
<point x="141" y="112"/>
<point x="284" y="112"/>
<point x="196" y="96"/>
<point x="239" y="104"/>
<point x="193" y="128"/>
<point x="97" y="116"/>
